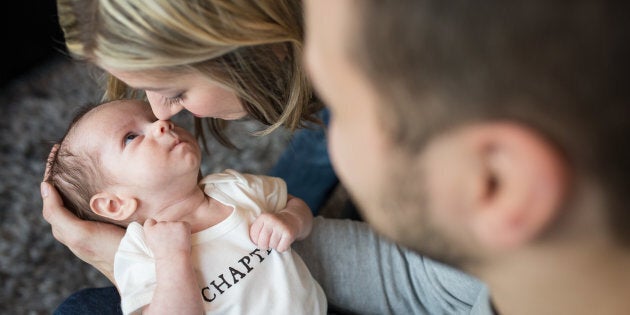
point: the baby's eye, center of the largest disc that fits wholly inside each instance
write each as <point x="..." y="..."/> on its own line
<point x="129" y="137"/>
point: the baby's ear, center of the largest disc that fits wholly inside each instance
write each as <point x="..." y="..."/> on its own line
<point x="113" y="207"/>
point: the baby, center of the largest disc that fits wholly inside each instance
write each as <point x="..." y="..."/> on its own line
<point x="221" y="244"/>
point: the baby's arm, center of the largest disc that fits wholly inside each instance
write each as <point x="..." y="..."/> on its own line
<point x="176" y="291"/>
<point x="280" y="229"/>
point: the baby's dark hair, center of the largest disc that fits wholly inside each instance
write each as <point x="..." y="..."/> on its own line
<point x="76" y="175"/>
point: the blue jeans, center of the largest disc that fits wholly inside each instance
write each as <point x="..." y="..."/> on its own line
<point x="97" y="301"/>
<point x="305" y="165"/>
<point x="309" y="175"/>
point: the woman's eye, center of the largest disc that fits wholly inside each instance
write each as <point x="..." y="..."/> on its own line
<point x="176" y="100"/>
<point x="129" y="137"/>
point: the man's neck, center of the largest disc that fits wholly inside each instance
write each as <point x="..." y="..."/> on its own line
<point x="574" y="280"/>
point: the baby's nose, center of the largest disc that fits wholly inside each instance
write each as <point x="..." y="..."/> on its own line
<point x="162" y="126"/>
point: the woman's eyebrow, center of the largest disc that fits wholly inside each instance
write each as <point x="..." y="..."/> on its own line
<point x="152" y="89"/>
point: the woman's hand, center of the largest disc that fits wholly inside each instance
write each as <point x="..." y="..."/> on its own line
<point x="93" y="242"/>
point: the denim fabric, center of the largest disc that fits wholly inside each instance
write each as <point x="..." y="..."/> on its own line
<point x="96" y="301"/>
<point x="305" y="165"/>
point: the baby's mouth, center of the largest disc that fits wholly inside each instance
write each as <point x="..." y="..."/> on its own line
<point x="175" y="143"/>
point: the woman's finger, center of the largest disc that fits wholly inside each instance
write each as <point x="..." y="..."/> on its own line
<point x="93" y="242"/>
<point x="53" y="210"/>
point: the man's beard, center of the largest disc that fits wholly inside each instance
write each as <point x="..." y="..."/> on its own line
<point x="407" y="203"/>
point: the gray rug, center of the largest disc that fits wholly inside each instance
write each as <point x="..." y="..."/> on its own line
<point x="37" y="272"/>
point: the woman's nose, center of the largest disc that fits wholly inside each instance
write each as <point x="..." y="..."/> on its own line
<point x="159" y="108"/>
<point x="161" y="127"/>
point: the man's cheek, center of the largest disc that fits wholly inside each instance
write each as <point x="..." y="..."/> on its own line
<point x="333" y="146"/>
<point x="340" y="151"/>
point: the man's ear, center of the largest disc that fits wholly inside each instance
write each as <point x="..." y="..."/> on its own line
<point x="113" y="207"/>
<point x="523" y="184"/>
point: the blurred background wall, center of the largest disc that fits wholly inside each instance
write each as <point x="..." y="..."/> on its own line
<point x="30" y="36"/>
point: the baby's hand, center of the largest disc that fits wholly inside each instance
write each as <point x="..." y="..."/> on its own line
<point x="274" y="230"/>
<point x="167" y="238"/>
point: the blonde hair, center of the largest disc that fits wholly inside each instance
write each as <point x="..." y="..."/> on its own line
<point x="251" y="47"/>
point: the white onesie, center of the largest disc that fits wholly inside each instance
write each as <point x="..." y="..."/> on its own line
<point x="234" y="276"/>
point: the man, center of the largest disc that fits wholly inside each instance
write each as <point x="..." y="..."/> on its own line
<point x="490" y="136"/>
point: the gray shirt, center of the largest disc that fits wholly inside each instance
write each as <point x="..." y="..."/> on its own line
<point x="363" y="273"/>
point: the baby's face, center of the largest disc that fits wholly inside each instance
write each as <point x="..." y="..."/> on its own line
<point x="138" y="153"/>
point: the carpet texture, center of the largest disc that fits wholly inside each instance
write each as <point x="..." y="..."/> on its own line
<point x="37" y="272"/>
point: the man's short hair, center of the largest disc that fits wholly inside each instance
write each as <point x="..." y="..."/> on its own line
<point x="560" y="68"/>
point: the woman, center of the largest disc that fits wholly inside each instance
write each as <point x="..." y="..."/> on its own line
<point x="221" y="60"/>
